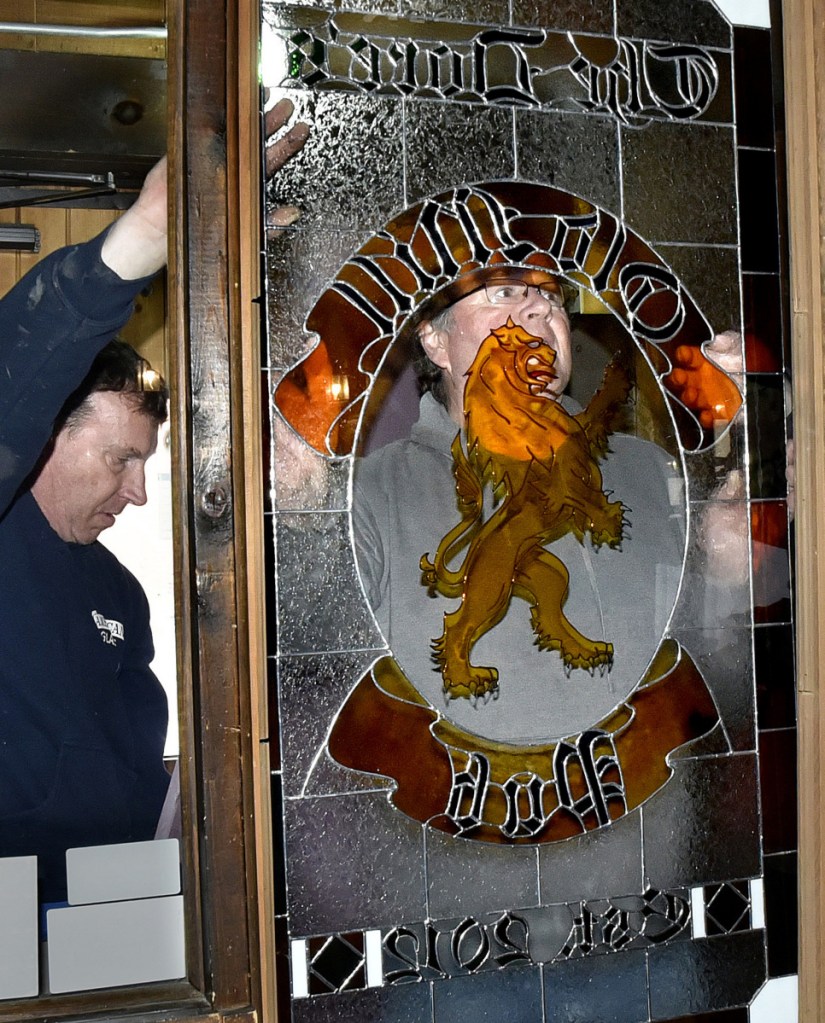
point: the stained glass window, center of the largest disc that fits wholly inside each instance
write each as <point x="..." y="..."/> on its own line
<point x="531" y="652"/>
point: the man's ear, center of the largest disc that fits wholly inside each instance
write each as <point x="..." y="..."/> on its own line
<point x="434" y="343"/>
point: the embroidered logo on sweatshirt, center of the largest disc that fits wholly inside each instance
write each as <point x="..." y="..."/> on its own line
<point x="110" y="629"/>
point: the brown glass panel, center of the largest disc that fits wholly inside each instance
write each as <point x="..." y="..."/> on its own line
<point x="763" y="323"/>
<point x="770" y="562"/>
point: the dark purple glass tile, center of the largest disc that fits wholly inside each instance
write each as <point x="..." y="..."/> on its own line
<point x="486" y="136"/>
<point x="596" y="865"/>
<point x="753" y="87"/>
<point x="350" y="174"/>
<point x="450" y="863"/>
<point x="279" y="872"/>
<point x="310" y="692"/>
<point x="586" y="989"/>
<point x="777" y="774"/>
<point x="274" y="715"/>
<point x="266" y="441"/>
<point x="766" y="434"/>
<point x="514" y="995"/>
<point x="282" y="993"/>
<point x="723" y="655"/>
<point x="321" y="606"/>
<point x="591" y="16"/>
<point x="575" y="152"/>
<point x="711" y="275"/>
<point x="758" y="215"/>
<point x="782" y="919"/>
<point x="680" y="182"/>
<point x="709" y="813"/>
<point x="336" y="963"/>
<point x="401" y="1003"/>
<point x="346" y="855"/>
<point x="763" y="323"/>
<point x="699" y="23"/>
<point x="727" y="908"/>
<point x="775" y="680"/>
<point x="700" y="976"/>
<point x="727" y="1016"/>
<point x="269" y="585"/>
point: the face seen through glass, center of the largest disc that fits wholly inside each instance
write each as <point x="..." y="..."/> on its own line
<point x="452" y="340"/>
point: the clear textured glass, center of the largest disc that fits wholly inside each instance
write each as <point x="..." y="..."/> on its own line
<point x="515" y="776"/>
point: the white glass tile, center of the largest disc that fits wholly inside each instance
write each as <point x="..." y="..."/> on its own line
<point x="697" y="912"/>
<point x="300" y="972"/>
<point x="375" y="958"/>
<point x="777" y="1002"/>
<point x="757" y="904"/>
<point x="755" y="13"/>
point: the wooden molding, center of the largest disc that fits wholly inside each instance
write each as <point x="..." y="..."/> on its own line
<point x="219" y="776"/>
<point x="249" y="482"/>
<point x="804" y="42"/>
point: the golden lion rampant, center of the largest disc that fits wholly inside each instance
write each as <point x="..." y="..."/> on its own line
<point x="542" y="465"/>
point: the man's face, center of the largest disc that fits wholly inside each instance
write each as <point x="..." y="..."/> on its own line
<point x="96" y="468"/>
<point x="471" y="319"/>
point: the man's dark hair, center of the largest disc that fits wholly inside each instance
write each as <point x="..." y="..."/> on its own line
<point x="117" y="367"/>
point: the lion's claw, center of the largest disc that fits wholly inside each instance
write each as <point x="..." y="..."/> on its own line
<point x="474" y="684"/>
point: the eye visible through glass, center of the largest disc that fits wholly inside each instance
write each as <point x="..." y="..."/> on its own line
<point x="507" y="292"/>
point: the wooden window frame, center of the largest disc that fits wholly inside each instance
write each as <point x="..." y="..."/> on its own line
<point x="804" y="43"/>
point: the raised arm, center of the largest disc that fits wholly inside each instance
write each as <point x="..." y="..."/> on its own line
<point x="135" y="246"/>
<point x="57" y="318"/>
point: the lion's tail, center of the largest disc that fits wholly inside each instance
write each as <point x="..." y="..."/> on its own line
<point x="435" y="574"/>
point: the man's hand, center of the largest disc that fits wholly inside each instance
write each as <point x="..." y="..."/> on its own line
<point x="279" y="151"/>
<point x="136" y="245"/>
<point x="726" y="351"/>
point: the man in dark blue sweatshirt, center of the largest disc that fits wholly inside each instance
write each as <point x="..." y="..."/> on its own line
<point x="82" y="717"/>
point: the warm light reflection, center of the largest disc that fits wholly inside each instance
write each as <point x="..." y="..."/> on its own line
<point x="339" y="388"/>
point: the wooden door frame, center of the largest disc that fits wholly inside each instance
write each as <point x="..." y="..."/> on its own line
<point x="804" y="44"/>
<point x="218" y="431"/>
